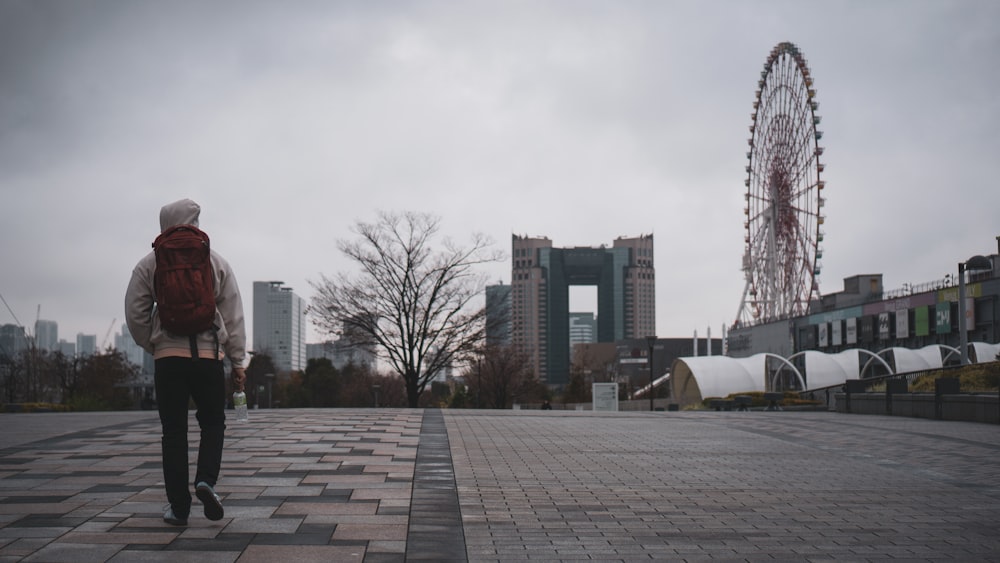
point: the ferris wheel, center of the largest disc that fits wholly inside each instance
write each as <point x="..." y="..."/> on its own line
<point x="784" y="192"/>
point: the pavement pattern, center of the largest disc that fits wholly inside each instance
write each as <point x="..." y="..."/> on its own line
<point x="461" y="485"/>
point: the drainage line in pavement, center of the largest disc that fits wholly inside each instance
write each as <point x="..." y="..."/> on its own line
<point x="435" y="525"/>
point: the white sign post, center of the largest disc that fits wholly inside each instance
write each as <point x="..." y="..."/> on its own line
<point x="605" y="396"/>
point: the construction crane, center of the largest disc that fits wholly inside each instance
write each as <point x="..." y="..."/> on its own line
<point x="104" y="345"/>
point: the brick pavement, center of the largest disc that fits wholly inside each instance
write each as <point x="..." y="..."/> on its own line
<point x="733" y="486"/>
<point x="396" y="485"/>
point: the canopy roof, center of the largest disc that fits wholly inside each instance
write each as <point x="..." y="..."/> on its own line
<point x="696" y="378"/>
<point x="984" y="352"/>
<point x="824" y="370"/>
<point x="717" y="376"/>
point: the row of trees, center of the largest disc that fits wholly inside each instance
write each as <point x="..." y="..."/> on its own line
<point x="412" y="299"/>
<point x="499" y="378"/>
<point x="108" y="381"/>
<point x="97" y="382"/>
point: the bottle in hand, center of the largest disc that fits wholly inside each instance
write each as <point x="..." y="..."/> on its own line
<point x="240" y="404"/>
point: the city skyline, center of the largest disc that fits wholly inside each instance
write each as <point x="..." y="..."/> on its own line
<point x="582" y="120"/>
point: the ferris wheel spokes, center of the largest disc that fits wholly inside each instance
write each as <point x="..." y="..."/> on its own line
<point x="783" y="201"/>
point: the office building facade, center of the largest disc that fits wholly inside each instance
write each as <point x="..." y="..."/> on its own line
<point x="13" y="339"/>
<point x="541" y="276"/>
<point x="279" y="325"/>
<point x="46" y="335"/>
<point x="498" y="315"/>
<point x="86" y="344"/>
<point x="582" y="329"/>
<point x="341" y="353"/>
<point x="134" y="353"/>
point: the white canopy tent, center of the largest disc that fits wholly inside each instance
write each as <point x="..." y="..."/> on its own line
<point x="693" y="379"/>
<point x="718" y="376"/>
<point x="983" y="352"/>
<point x="827" y="370"/>
<point x="824" y="370"/>
<point x="907" y="360"/>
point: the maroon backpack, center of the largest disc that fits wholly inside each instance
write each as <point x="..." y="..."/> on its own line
<point x="183" y="284"/>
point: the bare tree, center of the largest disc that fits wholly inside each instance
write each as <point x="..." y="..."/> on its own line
<point x="411" y="302"/>
<point x="502" y="376"/>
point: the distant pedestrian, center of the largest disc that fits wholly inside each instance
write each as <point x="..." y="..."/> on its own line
<point x="546" y="405"/>
<point x="188" y="322"/>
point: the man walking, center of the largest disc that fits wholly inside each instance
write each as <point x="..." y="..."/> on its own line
<point x="183" y="306"/>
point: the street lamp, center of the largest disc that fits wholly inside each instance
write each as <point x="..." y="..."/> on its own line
<point x="974" y="264"/>
<point x="651" y="340"/>
<point x="270" y="379"/>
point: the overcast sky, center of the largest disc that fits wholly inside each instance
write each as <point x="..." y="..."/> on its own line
<point x="577" y="120"/>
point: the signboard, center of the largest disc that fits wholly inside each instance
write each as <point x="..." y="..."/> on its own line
<point x="921" y="318"/>
<point x="902" y="323"/>
<point x="883" y="326"/>
<point x="852" y="330"/>
<point x="942" y="315"/>
<point x="835" y="333"/>
<point x="823" y="335"/>
<point x="605" y="396"/>
<point x="867" y="330"/>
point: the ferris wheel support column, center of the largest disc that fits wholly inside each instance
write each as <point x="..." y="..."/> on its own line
<point x="772" y="270"/>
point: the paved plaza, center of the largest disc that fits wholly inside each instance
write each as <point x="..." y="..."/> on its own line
<point x="459" y="485"/>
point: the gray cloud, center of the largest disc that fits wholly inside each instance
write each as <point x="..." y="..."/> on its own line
<point x="582" y="121"/>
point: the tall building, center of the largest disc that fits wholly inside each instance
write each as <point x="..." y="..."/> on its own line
<point x="127" y="345"/>
<point x="498" y="312"/>
<point x="541" y="276"/>
<point x="341" y="352"/>
<point x="279" y="325"/>
<point x="582" y="329"/>
<point x="12" y="340"/>
<point x="46" y="335"/>
<point x="67" y="348"/>
<point x="86" y="344"/>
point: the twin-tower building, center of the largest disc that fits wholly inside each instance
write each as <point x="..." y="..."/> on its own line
<point x="535" y="306"/>
<point x="541" y="276"/>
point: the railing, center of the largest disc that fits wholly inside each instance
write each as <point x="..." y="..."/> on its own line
<point x="945" y="399"/>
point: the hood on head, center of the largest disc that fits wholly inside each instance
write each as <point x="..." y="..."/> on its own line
<point x="181" y="212"/>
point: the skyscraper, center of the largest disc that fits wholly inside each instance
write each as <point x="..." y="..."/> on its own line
<point x="46" y="335"/>
<point x="541" y="276"/>
<point x="67" y="348"/>
<point x="12" y="340"/>
<point x="582" y="329"/>
<point x="498" y="312"/>
<point x="86" y="344"/>
<point x="127" y="345"/>
<point x="279" y="325"/>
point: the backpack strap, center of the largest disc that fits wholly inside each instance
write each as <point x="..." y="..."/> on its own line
<point x="193" y="339"/>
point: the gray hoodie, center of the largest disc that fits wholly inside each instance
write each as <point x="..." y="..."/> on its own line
<point x="140" y="303"/>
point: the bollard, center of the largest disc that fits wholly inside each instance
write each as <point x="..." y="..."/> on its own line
<point x="852" y="386"/>
<point x="774" y="401"/>
<point x="893" y="387"/>
<point x="944" y="386"/>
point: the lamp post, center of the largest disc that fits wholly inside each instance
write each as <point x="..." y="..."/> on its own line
<point x="651" y="340"/>
<point x="974" y="264"/>
<point x="270" y="379"/>
<point x="479" y="381"/>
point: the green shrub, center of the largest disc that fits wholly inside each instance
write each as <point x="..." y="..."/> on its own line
<point x="33" y="407"/>
<point x="974" y="378"/>
<point x="87" y="403"/>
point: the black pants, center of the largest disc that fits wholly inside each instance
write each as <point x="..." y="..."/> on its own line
<point x="204" y="381"/>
